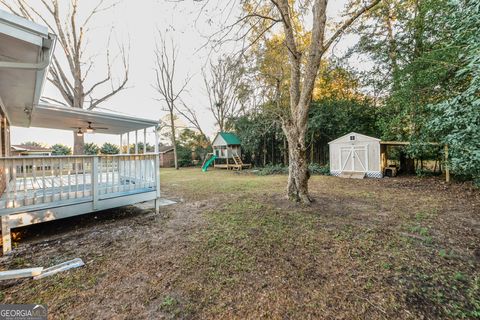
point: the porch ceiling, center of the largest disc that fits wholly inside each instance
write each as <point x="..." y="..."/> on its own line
<point x="65" y="118"/>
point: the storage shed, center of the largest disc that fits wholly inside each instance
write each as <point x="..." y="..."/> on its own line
<point x="355" y="153"/>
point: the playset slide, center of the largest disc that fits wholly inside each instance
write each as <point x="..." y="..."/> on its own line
<point x="208" y="162"/>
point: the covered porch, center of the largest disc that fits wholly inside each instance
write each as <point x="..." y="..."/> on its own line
<point x="35" y="189"/>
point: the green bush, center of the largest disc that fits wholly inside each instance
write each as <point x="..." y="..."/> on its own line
<point x="272" y="169"/>
<point x="109" y="148"/>
<point x="184" y="156"/>
<point x="61" y="150"/>
<point x="317" y="169"/>
<point x="314" y="168"/>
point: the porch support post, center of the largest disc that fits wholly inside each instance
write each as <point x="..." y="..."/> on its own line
<point x="156" y="139"/>
<point x="144" y="141"/>
<point x="136" y="141"/>
<point x="157" y="173"/>
<point x="128" y="142"/>
<point x="6" y="236"/>
<point x="121" y="143"/>
<point x="95" y="182"/>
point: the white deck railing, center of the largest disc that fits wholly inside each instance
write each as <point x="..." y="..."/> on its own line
<point x="30" y="181"/>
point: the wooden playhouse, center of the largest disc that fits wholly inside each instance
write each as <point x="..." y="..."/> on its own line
<point x="228" y="152"/>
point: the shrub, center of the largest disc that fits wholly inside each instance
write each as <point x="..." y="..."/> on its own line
<point x="61" y="150"/>
<point x="91" y="149"/>
<point x="315" y="168"/>
<point x="109" y="148"/>
<point x="272" y="169"/>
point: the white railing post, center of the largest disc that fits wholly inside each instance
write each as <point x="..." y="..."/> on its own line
<point x="95" y="181"/>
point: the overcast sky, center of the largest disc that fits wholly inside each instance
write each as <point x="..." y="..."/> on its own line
<point x="137" y="22"/>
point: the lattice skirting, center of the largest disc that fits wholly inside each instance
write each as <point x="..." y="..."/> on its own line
<point x="370" y="174"/>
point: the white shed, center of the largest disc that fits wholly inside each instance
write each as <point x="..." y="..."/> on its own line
<point x="355" y="153"/>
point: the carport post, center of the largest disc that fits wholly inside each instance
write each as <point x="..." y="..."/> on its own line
<point x="447" y="169"/>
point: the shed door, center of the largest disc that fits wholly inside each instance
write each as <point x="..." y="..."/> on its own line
<point x="354" y="158"/>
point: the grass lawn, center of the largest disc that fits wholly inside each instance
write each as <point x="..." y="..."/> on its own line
<point x="233" y="247"/>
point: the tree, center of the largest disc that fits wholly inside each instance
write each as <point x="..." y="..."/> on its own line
<point x="70" y="69"/>
<point x="165" y="84"/>
<point x="456" y="120"/>
<point x="32" y="144"/>
<point x="304" y="64"/>
<point x="91" y="149"/>
<point x="109" y="148"/>
<point x="196" y="143"/>
<point x="223" y="86"/>
<point x="61" y="150"/>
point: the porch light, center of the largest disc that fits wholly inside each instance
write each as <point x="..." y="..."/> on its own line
<point x="79" y="133"/>
<point x="89" y="128"/>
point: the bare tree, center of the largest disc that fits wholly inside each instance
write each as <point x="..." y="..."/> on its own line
<point x="70" y="68"/>
<point x="223" y="83"/>
<point x="260" y="18"/>
<point x="189" y="113"/>
<point x="165" y="83"/>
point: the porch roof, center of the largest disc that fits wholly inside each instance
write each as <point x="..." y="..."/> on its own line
<point x="66" y="118"/>
<point x="25" y="52"/>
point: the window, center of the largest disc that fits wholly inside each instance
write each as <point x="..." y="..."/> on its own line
<point x="352" y="138"/>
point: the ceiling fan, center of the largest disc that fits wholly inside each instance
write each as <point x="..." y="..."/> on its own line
<point x="88" y="129"/>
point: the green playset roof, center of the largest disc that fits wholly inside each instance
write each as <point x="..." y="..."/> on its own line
<point x="229" y="138"/>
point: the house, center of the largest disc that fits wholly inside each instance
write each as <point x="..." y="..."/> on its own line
<point x="228" y="152"/>
<point x="355" y="154"/>
<point x="41" y="188"/>
<point x="167" y="157"/>
<point x="30" y="150"/>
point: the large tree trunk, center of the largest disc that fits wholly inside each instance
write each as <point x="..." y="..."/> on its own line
<point x="78" y="144"/>
<point x="298" y="175"/>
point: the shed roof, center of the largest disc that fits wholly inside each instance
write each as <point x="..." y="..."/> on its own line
<point x="230" y="138"/>
<point x="355" y="134"/>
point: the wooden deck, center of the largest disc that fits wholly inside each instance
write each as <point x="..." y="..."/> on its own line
<point x="39" y="189"/>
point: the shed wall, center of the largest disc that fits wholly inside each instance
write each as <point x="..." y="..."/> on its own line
<point x="367" y="147"/>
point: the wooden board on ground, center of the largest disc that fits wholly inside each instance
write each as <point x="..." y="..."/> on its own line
<point x="20" y="273"/>
<point x="75" y="263"/>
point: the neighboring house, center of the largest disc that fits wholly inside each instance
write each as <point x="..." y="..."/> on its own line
<point x="44" y="188"/>
<point x="167" y="157"/>
<point x="22" y="150"/>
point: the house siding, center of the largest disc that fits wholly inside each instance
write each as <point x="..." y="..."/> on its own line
<point x="167" y="159"/>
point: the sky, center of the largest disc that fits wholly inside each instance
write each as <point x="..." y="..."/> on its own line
<point x="137" y="23"/>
